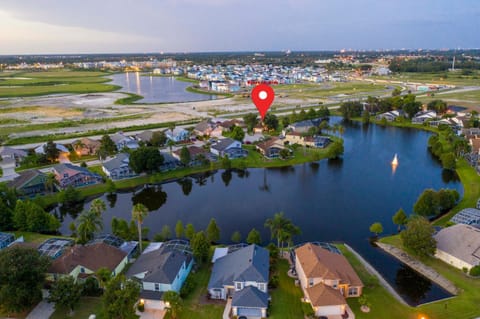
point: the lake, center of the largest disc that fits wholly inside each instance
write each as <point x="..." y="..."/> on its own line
<point x="157" y="89"/>
<point x="329" y="200"/>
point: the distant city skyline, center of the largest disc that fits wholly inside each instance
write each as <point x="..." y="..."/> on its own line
<point x="125" y="26"/>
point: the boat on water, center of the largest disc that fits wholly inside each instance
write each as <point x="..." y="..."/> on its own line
<point x="395" y="160"/>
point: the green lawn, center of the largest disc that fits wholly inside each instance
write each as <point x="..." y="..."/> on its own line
<point x="322" y="90"/>
<point x="194" y="305"/>
<point x="455" y="78"/>
<point x="86" y="307"/>
<point x="286" y="303"/>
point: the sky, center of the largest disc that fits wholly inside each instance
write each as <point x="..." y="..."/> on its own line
<point x="152" y="26"/>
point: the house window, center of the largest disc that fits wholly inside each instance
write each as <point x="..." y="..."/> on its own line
<point x="82" y="270"/>
<point x="238" y="286"/>
<point x="157" y="287"/>
<point x="261" y="287"/>
<point x="310" y="282"/>
<point x="353" y="291"/>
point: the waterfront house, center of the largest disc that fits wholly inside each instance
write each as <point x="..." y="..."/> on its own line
<point x="423" y="116"/>
<point x="459" y="246"/>
<point x="145" y="136"/>
<point x="29" y="183"/>
<point x="467" y="216"/>
<point x="302" y="126"/>
<point x="122" y="141"/>
<point x="169" y="162"/>
<point x="82" y="261"/>
<point x="317" y="141"/>
<point x="271" y="148"/>
<point x="242" y="275"/>
<point x="195" y="152"/>
<point x="13" y="154"/>
<point x="178" y="134"/>
<point x="68" y="174"/>
<point x="326" y="279"/>
<point x="118" y="167"/>
<point x="160" y="270"/>
<point x="225" y="146"/>
<point x="128" y="247"/>
<point x="389" y="116"/>
<point x="86" y="146"/>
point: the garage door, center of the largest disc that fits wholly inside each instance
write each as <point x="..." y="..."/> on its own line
<point x="249" y="312"/>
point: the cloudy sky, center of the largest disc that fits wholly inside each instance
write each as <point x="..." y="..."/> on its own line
<point x="108" y="26"/>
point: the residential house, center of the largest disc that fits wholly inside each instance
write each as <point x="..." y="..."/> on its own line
<point x="203" y="128"/>
<point x="163" y="269"/>
<point x="195" y="152"/>
<point x="82" y="261"/>
<point x="271" y="148"/>
<point x="128" y="247"/>
<point x="169" y="162"/>
<point x="316" y="141"/>
<point x="177" y="135"/>
<point x="326" y="279"/>
<point x="227" y="147"/>
<point x="68" y="174"/>
<point x="467" y="216"/>
<point x="41" y="149"/>
<point x="242" y="275"/>
<point x="122" y="141"/>
<point x="86" y="146"/>
<point x="12" y="153"/>
<point x="145" y="137"/>
<point x="423" y="116"/>
<point x="6" y="239"/>
<point x="118" y="167"/>
<point x="459" y="246"/>
<point x="29" y="182"/>
<point x="258" y="129"/>
<point x="302" y="126"/>
<point x="217" y="132"/>
<point x="389" y="116"/>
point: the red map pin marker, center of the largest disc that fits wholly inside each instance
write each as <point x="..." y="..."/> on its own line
<point x="262" y="97"/>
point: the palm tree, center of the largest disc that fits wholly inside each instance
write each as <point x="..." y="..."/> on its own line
<point x="139" y="212"/>
<point x="341" y="129"/>
<point x="77" y="146"/>
<point x="282" y="228"/>
<point x="89" y="222"/>
<point x="50" y="182"/>
<point x="98" y="206"/>
<point x="170" y="144"/>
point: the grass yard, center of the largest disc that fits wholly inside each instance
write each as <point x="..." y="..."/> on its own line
<point x="286" y="303"/>
<point x="86" y="307"/>
<point x="455" y="78"/>
<point x="322" y="90"/>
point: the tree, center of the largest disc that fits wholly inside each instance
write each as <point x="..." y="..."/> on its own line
<point x="111" y="187"/>
<point x="139" y="212"/>
<point x="158" y="138"/>
<point x="284" y="153"/>
<point x="410" y="106"/>
<point x="107" y="147"/>
<point x="200" y="246"/>
<point x="174" y="303"/>
<point x="50" y="182"/>
<point x="271" y="121"/>
<point x="146" y="159"/>
<point x="438" y="106"/>
<point x="448" y="161"/>
<point x="335" y="150"/>
<point x="65" y="293"/>
<point x="237" y="133"/>
<point x="70" y="196"/>
<point x="250" y="120"/>
<point x="427" y="203"/>
<point x="236" y="237"/>
<point x="166" y="232"/>
<point x="447" y="199"/>
<point x="22" y="274"/>
<point x="179" y="230"/>
<point x="400" y="218"/>
<point x="418" y="237"/>
<point x="98" y="206"/>
<point x="119" y="298"/>
<point x="396" y="92"/>
<point x="213" y="231"/>
<point x="185" y="156"/>
<point x="254" y="237"/>
<point x="351" y="109"/>
<point x="376" y="228"/>
<point x="281" y="228"/>
<point x="104" y="275"/>
<point x="89" y="222"/>
<point x="29" y="216"/>
<point x="226" y="163"/>
<point x="51" y="151"/>
<point x="189" y="231"/>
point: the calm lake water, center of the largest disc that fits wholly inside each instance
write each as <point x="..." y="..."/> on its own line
<point x="157" y="89"/>
<point x="328" y="200"/>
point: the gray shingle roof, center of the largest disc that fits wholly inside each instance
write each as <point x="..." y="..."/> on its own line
<point x="161" y="265"/>
<point x="9" y="151"/>
<point x="60" y="168"/>
<point x="223" y="144"/>
<point x="24" y="178"/>
<point x="250" y="297"/>
<point x="247" y="264"/>
<point x="117" y="161"/>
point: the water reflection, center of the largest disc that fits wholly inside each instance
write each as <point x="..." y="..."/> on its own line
<point x="265" y="187"/>
<point x="72" y="210"/>
<point x="152" y="196"/>
<point x="314" y="167"/>
<point x="227" y="177"/>
<point x="242" y="173"/>
<point x="186" y="184"/>
<point x="112" y="199"/>
<point x="449" y="176"/>
<point x="411" y="285"/>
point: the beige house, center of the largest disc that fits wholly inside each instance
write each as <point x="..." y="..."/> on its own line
<point x="86" y="146"/>
<point x="326" y="279"/>
<point x="459" y="246"/>
<point x="81" y="261"/>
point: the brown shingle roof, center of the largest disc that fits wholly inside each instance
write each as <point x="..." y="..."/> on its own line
<point x="272" y="142"/>
<point x="93" y="257"/>
<point x="323" y="295"/>
<point x="319" y="262"/>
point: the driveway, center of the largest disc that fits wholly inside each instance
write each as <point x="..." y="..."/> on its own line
<point x="228" y="307"/>
<point x="152" y="314"/>
<point x="42" y="311"/>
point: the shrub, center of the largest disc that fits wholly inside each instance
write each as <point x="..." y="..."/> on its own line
<point x="188" y="287"/>
<point x="475" y="271"/>
<point x="141" y="307"/>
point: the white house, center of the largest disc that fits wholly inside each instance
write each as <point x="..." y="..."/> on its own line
<point x="118" y="167"/>
<point x="177" y="135"/>
<point x="223" y="145"/>
<point x="121" y="141"/>
<point x="458" y="245"/>
<point x="423" y="116"/>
